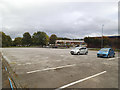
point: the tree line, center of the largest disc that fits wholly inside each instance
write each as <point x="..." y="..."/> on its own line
<point x="95" y="42"/>
<point x="37" y="39"/>
<point x="41" y="38"/>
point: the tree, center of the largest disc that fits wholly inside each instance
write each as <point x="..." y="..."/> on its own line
<point x="26" y="39"/>
<point x="92" y="42"/>
<point x="6" y="40"/>
<point x="17" y="41"/>
<point x="53" y="39"/>
<point x="40" y="38"/>
<point x="0" y="39"/>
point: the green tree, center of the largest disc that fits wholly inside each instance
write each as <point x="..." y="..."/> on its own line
<point x="6" y="40"/>
<point x="53" y="39"/>
<point x="92" y="42"/>
<point x="40" y="38"/>
<point x="17" y="41"/>
<point x="26" y="39"/>
<point x="0" y="39"/>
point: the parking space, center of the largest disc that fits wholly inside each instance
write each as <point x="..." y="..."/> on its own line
<point x="57" y="68"/>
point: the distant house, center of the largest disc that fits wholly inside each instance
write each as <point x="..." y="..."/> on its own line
<point x="70" y="42"/>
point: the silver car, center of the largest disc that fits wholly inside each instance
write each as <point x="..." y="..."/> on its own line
<point x="79" y="50"/>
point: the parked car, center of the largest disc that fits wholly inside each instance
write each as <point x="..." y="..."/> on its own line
<point x="46" y="46"/>
<point x="106" y="52"/>
<point x="54" y="46"/>
<point x="79" y="50"/>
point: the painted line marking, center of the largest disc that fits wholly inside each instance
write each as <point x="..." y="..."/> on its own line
<point x="19" y="64"/>
<point x="117" y="57"/>
<point x="24" y="64"/>
<point x="70" y="84"/>
<point x="28" y="63"/>
<point x="6" y="58"/>
<point x="51" y="68"/>
<point x="111" y="58"/>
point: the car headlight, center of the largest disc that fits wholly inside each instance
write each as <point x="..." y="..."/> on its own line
<point x="98" y="52"/>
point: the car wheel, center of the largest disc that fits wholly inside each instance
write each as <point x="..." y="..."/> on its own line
<point x="71" y="53"/>
<point x="108" y="56"/>
<point x="86" y="53"/>
<point x="114" y="55"/>
<point x="78" y="53"/>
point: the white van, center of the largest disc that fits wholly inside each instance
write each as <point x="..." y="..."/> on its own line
<point x="79" y="50"/>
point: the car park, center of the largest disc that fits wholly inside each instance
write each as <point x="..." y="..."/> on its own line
<point x="79" y="50"/>
<point x="40" y="64"/>
<point x="106" y="52"/>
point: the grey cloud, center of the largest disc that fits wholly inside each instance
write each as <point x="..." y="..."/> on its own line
<point x="66" y="19"/>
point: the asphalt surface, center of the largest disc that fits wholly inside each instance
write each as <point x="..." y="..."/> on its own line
<point x="0" y="72"/>
<point x="0" y="75"/>
<point x="55" y="68"/>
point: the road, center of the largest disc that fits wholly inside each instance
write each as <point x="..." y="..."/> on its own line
<point x="57" y="68"/>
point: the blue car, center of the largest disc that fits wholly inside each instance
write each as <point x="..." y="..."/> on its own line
<point x="106" y="52"/>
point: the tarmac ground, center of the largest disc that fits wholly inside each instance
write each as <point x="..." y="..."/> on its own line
<point x="57" y="68"/>
<point x="0" y="79"/>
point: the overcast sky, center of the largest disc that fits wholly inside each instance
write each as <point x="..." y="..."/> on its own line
<point x="65" y="18"/>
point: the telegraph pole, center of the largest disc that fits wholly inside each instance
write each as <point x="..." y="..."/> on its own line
<point x="102" y="37"/>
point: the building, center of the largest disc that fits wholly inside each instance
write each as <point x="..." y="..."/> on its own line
<point x="70" y="43"/>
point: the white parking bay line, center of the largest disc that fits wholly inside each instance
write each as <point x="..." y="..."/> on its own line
<point x="28" y="63"/>
<point x="52" y="68"/>
<point x="24" y="64"/>
<point x="117" y="57"/>
<point x="70" y="84"/>
<point x="19" y="64"/>
<point x="111" y="58"/>
<point x="6" y="58"/>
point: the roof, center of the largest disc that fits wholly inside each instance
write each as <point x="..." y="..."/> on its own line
<point x="105" y="48"/>
<point x="69" y="40"/>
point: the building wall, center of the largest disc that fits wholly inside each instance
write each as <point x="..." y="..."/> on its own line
<point x="70" y="42"/>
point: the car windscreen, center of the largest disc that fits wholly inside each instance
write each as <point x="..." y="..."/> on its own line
<point x="77" y="48"/>
<point x="104" y="49"/>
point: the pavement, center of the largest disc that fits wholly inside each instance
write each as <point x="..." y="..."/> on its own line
<point x="57" y="68"/>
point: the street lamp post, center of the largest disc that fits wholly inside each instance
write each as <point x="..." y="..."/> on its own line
<point x="102" y="37"/>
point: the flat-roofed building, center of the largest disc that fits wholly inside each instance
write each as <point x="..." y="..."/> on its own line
<point x="70" y="42"/>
